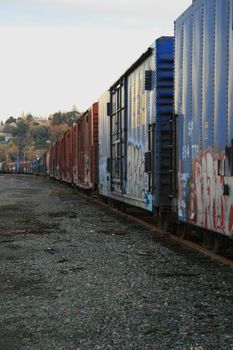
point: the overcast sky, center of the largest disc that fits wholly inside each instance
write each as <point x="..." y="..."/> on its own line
<point x="60" y="53"/>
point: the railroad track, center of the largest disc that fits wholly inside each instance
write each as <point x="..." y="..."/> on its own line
<point x="147" y="220"/>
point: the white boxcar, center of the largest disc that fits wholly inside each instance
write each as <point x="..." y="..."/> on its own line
<point x="134" y="130"/>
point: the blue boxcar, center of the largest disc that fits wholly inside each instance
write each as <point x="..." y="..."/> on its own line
<point x="204" y="105"/>
<point x="134" y="131"/>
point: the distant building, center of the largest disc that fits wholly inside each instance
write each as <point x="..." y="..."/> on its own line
<point x="40" y="119"/>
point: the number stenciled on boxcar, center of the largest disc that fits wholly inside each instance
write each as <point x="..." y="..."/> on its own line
<point x="190" y="151"/>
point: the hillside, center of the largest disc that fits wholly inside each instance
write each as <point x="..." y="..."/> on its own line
<point x="27" y="136"/>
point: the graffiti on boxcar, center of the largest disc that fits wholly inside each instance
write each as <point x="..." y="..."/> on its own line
<point x="137" y="179"/>
<point x="203" y="192"/>
<point x="190" y="151"/>
<point x="182" y="186"/>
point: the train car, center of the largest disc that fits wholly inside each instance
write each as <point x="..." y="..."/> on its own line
<point x="47" y="163"/>
<point x="34" y="165"/>
<point x="67" y="157"/>
<point x="3" y="168"/>
<point x="85" y="147"/>
<point x="55" y="160"/>
<point x="104" y="145"/>
<point x="204" y="108"/>
<point x="21" y="167"/>
<point x="134" y="127"/>
<point x="75" y="151"/>
<point x="17" y="167"/>
<point x="44" y="163"/>
<point x="52" y="160"/>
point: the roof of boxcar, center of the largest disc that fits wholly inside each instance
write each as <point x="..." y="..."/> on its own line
<point x="136" y="64"/>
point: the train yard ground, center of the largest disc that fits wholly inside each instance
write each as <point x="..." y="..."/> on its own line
<point x="76" y="275"/>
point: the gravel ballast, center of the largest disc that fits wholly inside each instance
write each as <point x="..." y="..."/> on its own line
<point x="75" y="275"/>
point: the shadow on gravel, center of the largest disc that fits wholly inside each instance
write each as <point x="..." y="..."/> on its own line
<point x="10" y="208"/>
<point x="35" y="228"/>
<point x="14" y="339"/>
<point x="9" y="342"/>
<point x="60" y="214"/>
<point x="25" y="286"/>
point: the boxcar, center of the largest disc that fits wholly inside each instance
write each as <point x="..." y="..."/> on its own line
<point x="52" y="165"/>
<point x="134" y="131"/>
<point x="67" y="156"/>
<point x="4" y="168"/>
<point x="85" y="143"/>
<point x="55" y="160"/>
<point x="21" y="167"/>
<point x="58" y="159"/>
<point x="104" y="145"/>
<point x="47" y="162"/>
<point x="204" y="106"/>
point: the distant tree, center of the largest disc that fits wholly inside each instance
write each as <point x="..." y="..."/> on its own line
<point x="57" y="118"/>
<point x="39" y="130"/>
<point x="11" y="150"/>
<point x="3" y="149"/>
<point x="29" y="118"/>
<point x="40" y="135"/>
<point x="10" y="120"/>
<point x="30" y="152"/>
<point x="31" y="137"/>
<point x="22" y="127"/>
<point x="28" y="137"/>
<point x="71" y="117"/>
<point x="10" y="129"/>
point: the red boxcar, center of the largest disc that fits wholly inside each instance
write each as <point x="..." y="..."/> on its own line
<point x="67" y="156"/>
<point x="55" y="160"/>
<point x="52" y="160"/>
<point x="85" y="143"/>
<point x="75" y="152"/>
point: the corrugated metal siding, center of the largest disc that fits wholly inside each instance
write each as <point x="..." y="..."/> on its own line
<point x="75" y="152"/>
<point x="67" y="156"/>
<point x="127" y="137"/>
<point x="104" y="145"/>
<point x="85" y="136"/>
<point x="94" y="145"/>
<point x="51" y="161"/>
<point x="55" y="160"/>
<point x="83" y="152"/>
<point x="230" y="78"/>
<point x="203" y="102"/>
<point x="140" y="115"/>
<point x="59" y="159"/>
<point x="164" y="90"/>
<point x="47" y="163"/>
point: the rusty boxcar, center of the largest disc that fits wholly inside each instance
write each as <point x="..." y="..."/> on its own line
<point x="55" y="160"/>
<point x="85" y="142"/>
<point x="67" y="156"/>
